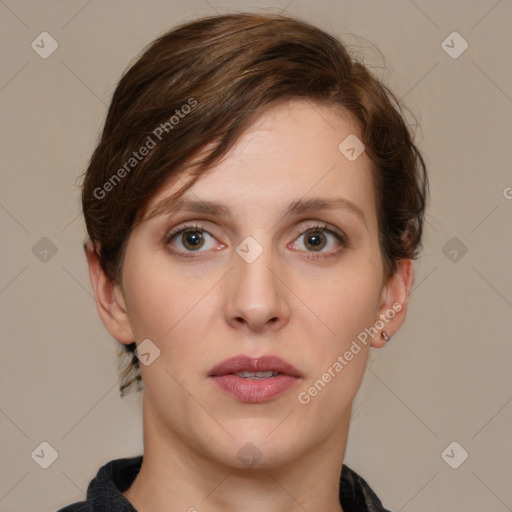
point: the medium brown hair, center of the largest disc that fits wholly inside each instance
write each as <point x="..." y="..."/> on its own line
<point x="199" y="86"/>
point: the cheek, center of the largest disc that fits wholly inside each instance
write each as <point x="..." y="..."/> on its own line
<point x="349" y="299"/>
<point x="158" y="298"/>
<point x="336" y="357"/>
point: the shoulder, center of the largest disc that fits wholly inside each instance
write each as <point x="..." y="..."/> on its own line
<point x="356" y="495"/>
<point x="104" y="492"/>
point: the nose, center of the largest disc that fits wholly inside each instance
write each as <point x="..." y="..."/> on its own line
<point x="256" y="296"/>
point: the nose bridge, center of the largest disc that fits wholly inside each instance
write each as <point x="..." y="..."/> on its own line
<point x="256" y="294"/>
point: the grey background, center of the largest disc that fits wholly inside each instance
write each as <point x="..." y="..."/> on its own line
<point x="444" y="377"/>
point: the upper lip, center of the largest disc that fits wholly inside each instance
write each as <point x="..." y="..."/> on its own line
<point x="265" y="363"/>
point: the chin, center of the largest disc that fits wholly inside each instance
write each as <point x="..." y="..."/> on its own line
<point x="262" y="448"/>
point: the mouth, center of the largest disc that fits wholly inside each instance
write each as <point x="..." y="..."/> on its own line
<point x="254" y="380"/>
<point x="257" y="375"/>
<point x="263" y="367"/>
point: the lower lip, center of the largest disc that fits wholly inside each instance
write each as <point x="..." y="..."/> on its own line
<point x="254" y="391"/>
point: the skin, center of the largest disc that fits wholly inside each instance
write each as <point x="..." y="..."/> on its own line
<point x="200" y="311"/>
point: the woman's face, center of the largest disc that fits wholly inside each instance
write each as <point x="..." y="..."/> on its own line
<point x="260" y="279"/>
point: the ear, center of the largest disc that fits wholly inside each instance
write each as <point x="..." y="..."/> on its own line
<point x="394" y="301"/>
<point x="109" y="299"/>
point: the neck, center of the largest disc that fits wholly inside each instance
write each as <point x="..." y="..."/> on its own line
<point x="174" y="477"/>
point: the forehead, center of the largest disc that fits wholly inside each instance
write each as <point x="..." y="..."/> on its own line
<point x="291" y="152"/>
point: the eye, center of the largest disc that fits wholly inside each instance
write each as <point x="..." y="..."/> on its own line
<point x="316" y="238"/>
<point x="192" y="239"/>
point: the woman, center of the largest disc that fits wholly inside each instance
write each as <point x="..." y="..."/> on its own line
<point x="253" y="209"/>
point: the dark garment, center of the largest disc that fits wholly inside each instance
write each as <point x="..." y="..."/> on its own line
<point x="104" y="493"/>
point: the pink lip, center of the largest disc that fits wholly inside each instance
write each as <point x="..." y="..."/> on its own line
<point x="254" y="390"/>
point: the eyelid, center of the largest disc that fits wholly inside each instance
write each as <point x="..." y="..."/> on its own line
<point x="323" y="226"/>
<point x="199" y="225"/>
<point x="316" y="225"/>
<point x="193" y="226"/>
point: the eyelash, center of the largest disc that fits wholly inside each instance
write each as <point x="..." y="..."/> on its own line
<point x="339" y="235"/>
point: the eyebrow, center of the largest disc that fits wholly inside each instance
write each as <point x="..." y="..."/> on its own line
<point x="297" y="207"/>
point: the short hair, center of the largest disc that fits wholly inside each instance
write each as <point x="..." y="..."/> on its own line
<point x="199" y="86"/>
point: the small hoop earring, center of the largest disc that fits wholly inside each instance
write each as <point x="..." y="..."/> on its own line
<point x="385" y="336"/>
